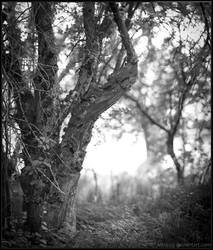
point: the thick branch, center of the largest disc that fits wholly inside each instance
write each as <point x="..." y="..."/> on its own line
<point x="89" y="24"/>
<point x="119" y="81"/>
<point x="91" y="50"/>
<point x="47" y="56"/>
<point x="95" y="100"/>
<point x="45" y="77"/>
<point x="131" y="56"/>
<point x="122" y="78"/>
<point x="131" y="12"/>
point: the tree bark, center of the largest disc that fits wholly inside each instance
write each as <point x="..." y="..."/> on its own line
<point x="62" y="205"/>
<point x="179" y="168"/>
<point x="25" y="113"/>
<point x="52" y="170"/>
<point x="5" y="194"/>
<point x="34" y="176"/>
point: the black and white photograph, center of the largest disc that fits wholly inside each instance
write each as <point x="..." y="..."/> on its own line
<point x="106" y="124"/>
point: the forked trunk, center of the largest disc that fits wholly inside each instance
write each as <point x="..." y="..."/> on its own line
<point x="46" y="180"/>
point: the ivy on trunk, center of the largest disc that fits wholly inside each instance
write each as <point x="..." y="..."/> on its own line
<point x="52" y="169"/>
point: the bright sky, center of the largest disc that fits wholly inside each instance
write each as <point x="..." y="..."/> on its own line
<point x="115" y="155"/>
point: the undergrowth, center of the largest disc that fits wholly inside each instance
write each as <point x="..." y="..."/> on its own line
<point x="180" y="217"/>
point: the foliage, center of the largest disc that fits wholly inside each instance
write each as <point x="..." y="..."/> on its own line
<point x="184" y="214"/>
<point x="179" y="217"/>
<point x="173" y="85"/>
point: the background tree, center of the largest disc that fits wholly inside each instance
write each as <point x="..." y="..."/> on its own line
<point x="182" y="82"/>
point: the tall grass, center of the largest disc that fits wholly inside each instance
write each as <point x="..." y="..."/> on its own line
<point x="179" y="217"/>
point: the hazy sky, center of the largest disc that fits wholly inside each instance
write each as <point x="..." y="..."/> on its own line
<point x="115" y="155"/>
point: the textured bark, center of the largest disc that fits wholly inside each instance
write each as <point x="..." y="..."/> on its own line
<point x="58" y="166"/>
<point x="131" y="56"/>
<point x="25" y="105"/>
<point x="45" y="77"/>
<point x="62" y="206"/>
<point x="44" y="116"/>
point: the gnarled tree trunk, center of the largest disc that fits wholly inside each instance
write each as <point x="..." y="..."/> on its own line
<point x="93" y="102"/>
<point x="52" y="169"/>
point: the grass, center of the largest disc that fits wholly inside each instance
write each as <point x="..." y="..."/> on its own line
<point x="181" y="217"/>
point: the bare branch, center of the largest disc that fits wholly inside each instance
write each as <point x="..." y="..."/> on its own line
<point x="208" y="38"/>
<point x="143" y="112"/>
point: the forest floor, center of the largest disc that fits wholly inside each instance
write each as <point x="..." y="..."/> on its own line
<point x="180" y="218"/>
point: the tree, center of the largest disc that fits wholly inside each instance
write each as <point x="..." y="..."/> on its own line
<point x="181" y="68"/>
<point x="30" y="53"/>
